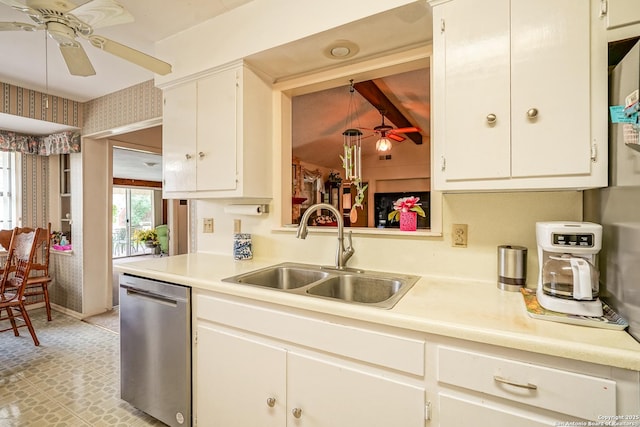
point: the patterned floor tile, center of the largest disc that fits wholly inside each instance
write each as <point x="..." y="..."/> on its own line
<point x="71" y="379"/>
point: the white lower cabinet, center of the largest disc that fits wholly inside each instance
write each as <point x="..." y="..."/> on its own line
<point x="464" y="411"/>
<point x="240" y="382"/>
<point x="503" y="391"/>
<point x="246" y="379"/>
<point x="332" y="394"/>
<point x="260" y="364"/>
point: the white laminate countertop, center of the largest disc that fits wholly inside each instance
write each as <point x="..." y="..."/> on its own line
<point x="466" y="310"/>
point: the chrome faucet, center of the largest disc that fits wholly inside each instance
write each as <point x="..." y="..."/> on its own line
<point x="342" y="254"/>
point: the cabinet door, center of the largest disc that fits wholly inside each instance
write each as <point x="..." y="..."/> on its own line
<point x="550" y="73"/>
<point x="235" y="378"/>
<point x="333" y="395"/>
<point x="179" y="138"/>
<point x="622" y="12"/>
<point x="457" y="411"/>
<point x="217" y="131"/>
<point x="476" y="45"/>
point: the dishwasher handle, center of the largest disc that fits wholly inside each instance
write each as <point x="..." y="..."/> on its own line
<point x="139" y="293"/>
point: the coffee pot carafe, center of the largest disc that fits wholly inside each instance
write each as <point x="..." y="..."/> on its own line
<point x="568" y="280"/>
<point x="567" y="276"/>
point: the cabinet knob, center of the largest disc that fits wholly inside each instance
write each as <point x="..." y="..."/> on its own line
<point x="201" y="154"/>
<point x="187" y="156"/>
<point x="491" y="118"/>
<point x="532" y="113"/>
<point x="271" y="402"/>
<point x="297" y="412"/>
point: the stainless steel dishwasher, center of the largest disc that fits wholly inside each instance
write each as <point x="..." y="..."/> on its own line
<point x="155" y="348"/>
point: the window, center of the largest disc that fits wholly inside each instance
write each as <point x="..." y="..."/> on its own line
<point x="132" y="209"/>
<point x="9" y="200"/>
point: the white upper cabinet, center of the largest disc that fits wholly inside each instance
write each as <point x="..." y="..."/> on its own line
<point x="623" y="18"/>
<point x="520" y="95"/>
<point x="179" y="138"/>
<point x="217" y="136"/>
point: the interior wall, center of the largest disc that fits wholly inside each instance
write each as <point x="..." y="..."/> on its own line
<point x="31" y="104"/>
<point x="66" y="291"/>
<point x="494" y="219"/>
<point x="35" y="190"/>
<point x="136" y="104"/>
<point x="96" y="236"/>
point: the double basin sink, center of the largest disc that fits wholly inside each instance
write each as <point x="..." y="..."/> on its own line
<point x="377" y="289"/>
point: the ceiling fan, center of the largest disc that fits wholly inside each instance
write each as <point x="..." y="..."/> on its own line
<point x="64" y="21"/>
<point x="387" y="131"/>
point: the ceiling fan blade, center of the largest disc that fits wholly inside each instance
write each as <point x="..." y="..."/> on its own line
<point x="77" y="60"/>
<point x="406" y="130"/>
<point x="62" y="6"/>
<point x="395" y="137"/>
<point x="131" y="55"/>
<point x="18" y="26"/>
<point x="102" y="13"/>
<point x="14" y="4"/>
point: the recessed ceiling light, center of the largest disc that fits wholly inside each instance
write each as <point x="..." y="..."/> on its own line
<point x="341" y="49"/>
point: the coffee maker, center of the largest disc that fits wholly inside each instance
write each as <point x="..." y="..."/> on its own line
<point x="568" y="279"/>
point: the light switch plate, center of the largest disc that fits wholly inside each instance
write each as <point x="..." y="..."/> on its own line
<point x="207" y="226"/>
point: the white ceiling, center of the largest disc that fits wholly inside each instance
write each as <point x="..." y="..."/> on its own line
<point x="132" y="164"/>
<point x="23" y="52"/>
<point x="376" y="36"/>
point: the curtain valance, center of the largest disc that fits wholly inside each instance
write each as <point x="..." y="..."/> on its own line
<point x="57" y="143"/>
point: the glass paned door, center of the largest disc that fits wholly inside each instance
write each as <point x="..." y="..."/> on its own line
<point x="132" y="209"/>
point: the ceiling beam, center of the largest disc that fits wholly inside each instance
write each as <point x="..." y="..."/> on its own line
<point x="372" y="93"/>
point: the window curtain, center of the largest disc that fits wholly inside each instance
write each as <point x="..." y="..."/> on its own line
<point x="57" y="143"/>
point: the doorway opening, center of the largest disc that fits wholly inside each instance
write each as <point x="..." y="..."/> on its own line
<point x="132" y="209"/>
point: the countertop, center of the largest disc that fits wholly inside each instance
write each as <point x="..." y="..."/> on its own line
<point x="468" y="310"/>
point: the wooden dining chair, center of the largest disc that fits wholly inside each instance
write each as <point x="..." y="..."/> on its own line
<point x="5" y="241"/>
<point x="5" y="238"/>
<point x="39" y="278"/>
<point x="14" y="278"/>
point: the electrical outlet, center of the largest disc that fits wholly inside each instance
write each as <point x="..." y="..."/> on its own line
<point x="459" y="235"/>
<point x="207" y="226"/>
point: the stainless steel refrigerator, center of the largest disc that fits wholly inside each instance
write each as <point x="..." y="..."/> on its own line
<point x="617" y="207"/>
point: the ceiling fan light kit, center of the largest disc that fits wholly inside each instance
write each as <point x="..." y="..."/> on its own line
<point x="383" y="144"/>
<point x="64" y="22"/>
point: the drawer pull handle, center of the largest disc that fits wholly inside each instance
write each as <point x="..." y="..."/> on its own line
<point x="271" y="402"/>
<point x="528" y="386"/>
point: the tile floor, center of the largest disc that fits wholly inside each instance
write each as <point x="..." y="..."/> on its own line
<point x="72" y="379"/>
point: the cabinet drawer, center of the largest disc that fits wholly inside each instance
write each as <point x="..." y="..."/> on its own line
<point x="387" y="350"/>
<point x="569" y="393"/>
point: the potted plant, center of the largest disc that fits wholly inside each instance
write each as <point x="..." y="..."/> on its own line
<point x="407" y="209"/>
<point x="148" y="237"/>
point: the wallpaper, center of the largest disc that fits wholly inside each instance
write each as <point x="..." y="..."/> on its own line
<point x="35" y="190"/>
<point x="31" y="104"/>
<point x="124" y="107"/>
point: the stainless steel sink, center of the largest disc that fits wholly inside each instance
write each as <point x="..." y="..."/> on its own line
<point x="283" y="276"/>
<point x="377" y="289"/>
